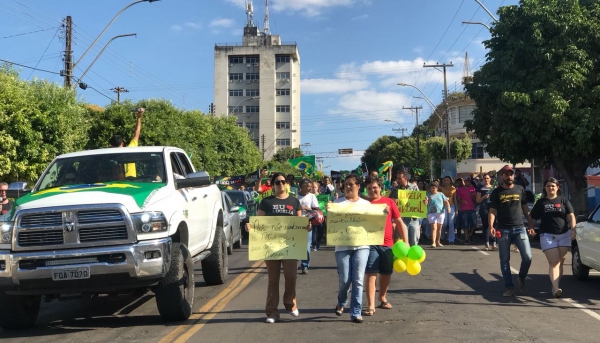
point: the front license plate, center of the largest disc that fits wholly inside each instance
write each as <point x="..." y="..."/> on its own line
<point x="71" y="274"/>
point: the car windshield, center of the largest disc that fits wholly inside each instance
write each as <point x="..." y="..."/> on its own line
<point x="237" y="198"/>
<point x="133" y="167"/>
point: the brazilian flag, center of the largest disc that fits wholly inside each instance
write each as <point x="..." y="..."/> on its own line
<point x="304" y="163"/>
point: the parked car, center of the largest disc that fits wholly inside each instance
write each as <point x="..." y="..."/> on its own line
<point x="585" y="249"/>
<point x="231" y="224"/>
<point x="246" y="204"/>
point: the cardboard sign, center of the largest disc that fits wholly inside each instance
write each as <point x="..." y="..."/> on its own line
<point x="277" y="238"/>
<point x="412" y="204"/>
<point x="356" y="224"/>
<point x="323" y="199"/>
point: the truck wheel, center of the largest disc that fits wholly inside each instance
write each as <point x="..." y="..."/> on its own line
<point x="215" y="266"/>
<point x="230" y="245"/>
<point x="18" y="311"/>
<point x="175" y="292"/>
<point x="580" y="272"/>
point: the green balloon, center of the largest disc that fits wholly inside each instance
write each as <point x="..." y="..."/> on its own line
<point x="415" y="253"/>
<point x="400" y="249"/>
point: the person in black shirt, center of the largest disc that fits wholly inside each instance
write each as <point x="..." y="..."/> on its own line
<point x="508" y="204"/>
<point x="557" y="229"/>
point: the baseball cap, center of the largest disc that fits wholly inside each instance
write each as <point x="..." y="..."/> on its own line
<point x="506" y="168"/>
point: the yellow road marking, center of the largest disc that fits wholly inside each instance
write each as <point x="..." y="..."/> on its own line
<point x="233" y="289"/>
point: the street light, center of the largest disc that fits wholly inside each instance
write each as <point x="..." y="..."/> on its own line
<point x="239" y="103"/>
<point x="100" y="53"/>
<point x="476" y="22"/>
<point x="402" y="129"/>
<point x="485" y="9"/>
<point x="303" y="145"/>
<point x="274" y="141"/>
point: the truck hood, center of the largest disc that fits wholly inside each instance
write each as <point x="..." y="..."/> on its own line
<point x="135" y="196"/>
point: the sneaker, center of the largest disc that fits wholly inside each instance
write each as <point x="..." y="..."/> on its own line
<point x="304" y="270"/>
<point x="451" y="243"/>
<point x="270" y="320"/>
<point x="509" y="292"/>
<point x="557" y="293"/>
<point x="522" y="285"/>
<point x="295" y="313"/>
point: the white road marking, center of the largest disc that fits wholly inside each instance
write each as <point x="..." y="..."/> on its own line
<point x="481" y="251"/>
<point x="581" y="307"/>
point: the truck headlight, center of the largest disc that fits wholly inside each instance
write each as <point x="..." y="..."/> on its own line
<point x="243" y="214"/>
<point x="6" y="229"/>
<point x="149" y="222"/>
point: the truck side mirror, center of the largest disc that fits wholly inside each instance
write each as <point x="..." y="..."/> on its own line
<point x="198" y="179"/>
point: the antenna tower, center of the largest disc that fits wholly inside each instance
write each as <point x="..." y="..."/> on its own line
<point x="467" y="77"/>
<point x="249" y="14"/>
<point x="266" y="29"/>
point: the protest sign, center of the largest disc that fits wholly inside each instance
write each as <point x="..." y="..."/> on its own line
<point x="277" y="238"/>
<point x="355" y="224"/>
<point x="323" y="199"/>
<point x="229" y="182"/>
<point x="412" y="204"/>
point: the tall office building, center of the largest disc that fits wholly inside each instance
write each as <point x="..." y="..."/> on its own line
<point x="258" y="82"/>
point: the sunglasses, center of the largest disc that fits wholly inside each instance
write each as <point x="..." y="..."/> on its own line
<point x="280" y="182"/>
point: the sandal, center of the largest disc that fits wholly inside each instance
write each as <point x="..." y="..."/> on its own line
<point x="486" y="248"/>
<point x="386" y="305"/>
<point x="369" y="312"/>
<point x="467" y="242"/>
<point x="339" y="311"/>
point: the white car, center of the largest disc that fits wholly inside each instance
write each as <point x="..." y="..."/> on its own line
<point x="586" y="246"/>
<point x="231" y="224"/>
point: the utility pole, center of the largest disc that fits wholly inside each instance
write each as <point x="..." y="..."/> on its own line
<point x="68" y="57"/>
<point x="119" y="90"/>
<point x="401" y="130"/>
<point x="444" y="66"/>
<point x="417" y="128"/>
<point x="262" y="140"/>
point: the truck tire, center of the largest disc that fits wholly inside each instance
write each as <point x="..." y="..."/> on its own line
<point x="580" y="271"/>
<point x="215" y="266"/>
<point x="19" y="311"/>
<point x="175" y="292"/>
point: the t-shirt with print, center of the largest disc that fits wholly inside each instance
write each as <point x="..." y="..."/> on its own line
<point x="346" y="201"/>
<point x="393" y="213"/>
<point x="483" y="190"/>
<point x="308" y="200"/>
<point x="507" y="203"/>
<point x="4" y="208"/>
<point x="273" y="206"/>
<point x="464" y="197"/>
<point x="553" y="213"/>
<point x="436" y="203"/>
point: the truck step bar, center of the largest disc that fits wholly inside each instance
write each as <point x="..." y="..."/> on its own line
<point x="201" y="256"/>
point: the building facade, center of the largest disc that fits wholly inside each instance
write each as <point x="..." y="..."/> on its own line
<point x="258" y="82"/>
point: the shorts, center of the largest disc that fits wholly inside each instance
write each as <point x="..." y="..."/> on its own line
<point x="436" y="218"/>
<point x="551" y="241"/>
<point x="381" y="260"/>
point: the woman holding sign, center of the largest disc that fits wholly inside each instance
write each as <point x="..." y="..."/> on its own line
<point x="280" y="204"/>
<point x="351" y="260"/>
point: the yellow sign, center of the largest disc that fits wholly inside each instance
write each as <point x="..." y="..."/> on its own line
<point x="412" y="204"/>
<point x="277" y="238"/>
<point x="355" y="224"/>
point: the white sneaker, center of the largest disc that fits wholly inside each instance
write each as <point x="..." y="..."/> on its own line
<point x="270" y="320"/>
<point x="295" y="313"/>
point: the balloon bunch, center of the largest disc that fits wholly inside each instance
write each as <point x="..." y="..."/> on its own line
<point x="408" y="259"/>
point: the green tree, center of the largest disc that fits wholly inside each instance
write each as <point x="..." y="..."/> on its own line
<point x="284" y="154"/>
<point x="538" y="95"/>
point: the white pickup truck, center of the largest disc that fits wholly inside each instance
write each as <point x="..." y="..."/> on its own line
<point x="112" y="221"/>
<point x="586" y="246"/>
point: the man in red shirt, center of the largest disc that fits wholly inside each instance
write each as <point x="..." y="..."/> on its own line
<point x="381" y="258"/>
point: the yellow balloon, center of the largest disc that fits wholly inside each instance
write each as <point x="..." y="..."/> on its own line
<point x="413" y="267"/>
<point x="422" y="258"/>
<point x="399" y="266"/>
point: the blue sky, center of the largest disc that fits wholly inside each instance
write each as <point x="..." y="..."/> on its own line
<point x="352" y="55"/>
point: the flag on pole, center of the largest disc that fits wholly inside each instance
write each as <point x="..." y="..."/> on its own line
<point x="386" y="165"/>
<point x="304" y="163"/>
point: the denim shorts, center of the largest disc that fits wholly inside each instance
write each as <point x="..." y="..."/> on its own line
<point x="551" y="241"/>
<point x="381" y="260"/>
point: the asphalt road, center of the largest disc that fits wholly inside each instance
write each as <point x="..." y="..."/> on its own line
<point x="456" y="298"/>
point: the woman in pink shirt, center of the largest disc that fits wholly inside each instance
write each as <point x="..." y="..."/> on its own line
<point x="465" y="199"/>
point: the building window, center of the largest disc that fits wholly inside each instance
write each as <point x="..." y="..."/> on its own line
<point x="282" y="108"/>
<point x="453" y="115"/>
<point x="235" y="109"/>
<point x="282" y="76"/>
<point x="476" y="150"/>
<point x="282" y="125"/>
<point x="240" y="124"/>
<point x="283" y="142"/>
<point x="236" y="76"/>
<point x="282" y="58"/>
<point x="252" y="126"/>
<point x="252" y="92"/>
<point x="256" y="142"/>
<point x="465" y="113"/>
<point x="236" y="92"/>
<point x="252" y="59"/>
<point x="283" y="91"/>
<point x="236" y="60"/>
<point x="252" y="76"/>
<point x="252" y="109"/>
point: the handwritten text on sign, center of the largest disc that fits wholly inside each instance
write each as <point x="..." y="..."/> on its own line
<point x="355" y="224"/>
<point x="277" y="238"/>
<point x="411" y="204"/>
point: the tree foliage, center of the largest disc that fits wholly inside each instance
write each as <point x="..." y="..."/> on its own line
<point x="538" y="95"/>
<point x="284" y="154"/>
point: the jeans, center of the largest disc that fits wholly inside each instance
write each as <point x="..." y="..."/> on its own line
<point x="306" y="263"/>
<point x="426" y="228"/>
<point x="351" y="265"/>
<point x="317" y="236"/>
<point x="468" y="220"/>
<point x="449" y="225"/>
<point x="414" y="230"/>
<point x="483" y="214"/>
<point x="518" y="236"/>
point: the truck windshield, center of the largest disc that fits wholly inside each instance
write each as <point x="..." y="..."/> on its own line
<point x="237" y="198"/>
<point x="133" y="167"/>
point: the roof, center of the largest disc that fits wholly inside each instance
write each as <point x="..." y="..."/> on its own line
<point x="124" y="150"/>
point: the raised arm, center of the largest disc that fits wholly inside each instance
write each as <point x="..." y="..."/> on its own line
<point x="138" y="124"/>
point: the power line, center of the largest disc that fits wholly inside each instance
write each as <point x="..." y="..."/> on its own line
<point x="44" y="53"/>
<point x="27" y="33"/>
<point x="28" y="67"/>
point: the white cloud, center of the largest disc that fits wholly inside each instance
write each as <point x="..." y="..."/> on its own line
<point x="320" y="86"/>
<point x="176" y="27"/>
<point x="309" y="8"/>
<point x="195" y="26"/>
<point x="418" y="50"/>
<point x="221" y="23"/>
<point x="361" y="17"/>
<point x="363" y="104"/>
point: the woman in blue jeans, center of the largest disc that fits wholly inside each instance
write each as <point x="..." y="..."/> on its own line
<point x="351" y="260"/>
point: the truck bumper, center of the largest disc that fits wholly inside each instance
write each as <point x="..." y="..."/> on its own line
<point x="111" y="268"/>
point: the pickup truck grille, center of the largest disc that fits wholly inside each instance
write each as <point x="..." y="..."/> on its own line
<point x="72" y="227"/>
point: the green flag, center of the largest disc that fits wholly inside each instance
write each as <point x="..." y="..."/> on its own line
<point x="304" y="163"/>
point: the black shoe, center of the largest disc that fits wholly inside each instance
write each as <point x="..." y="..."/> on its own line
<point x="304" y="270"/>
